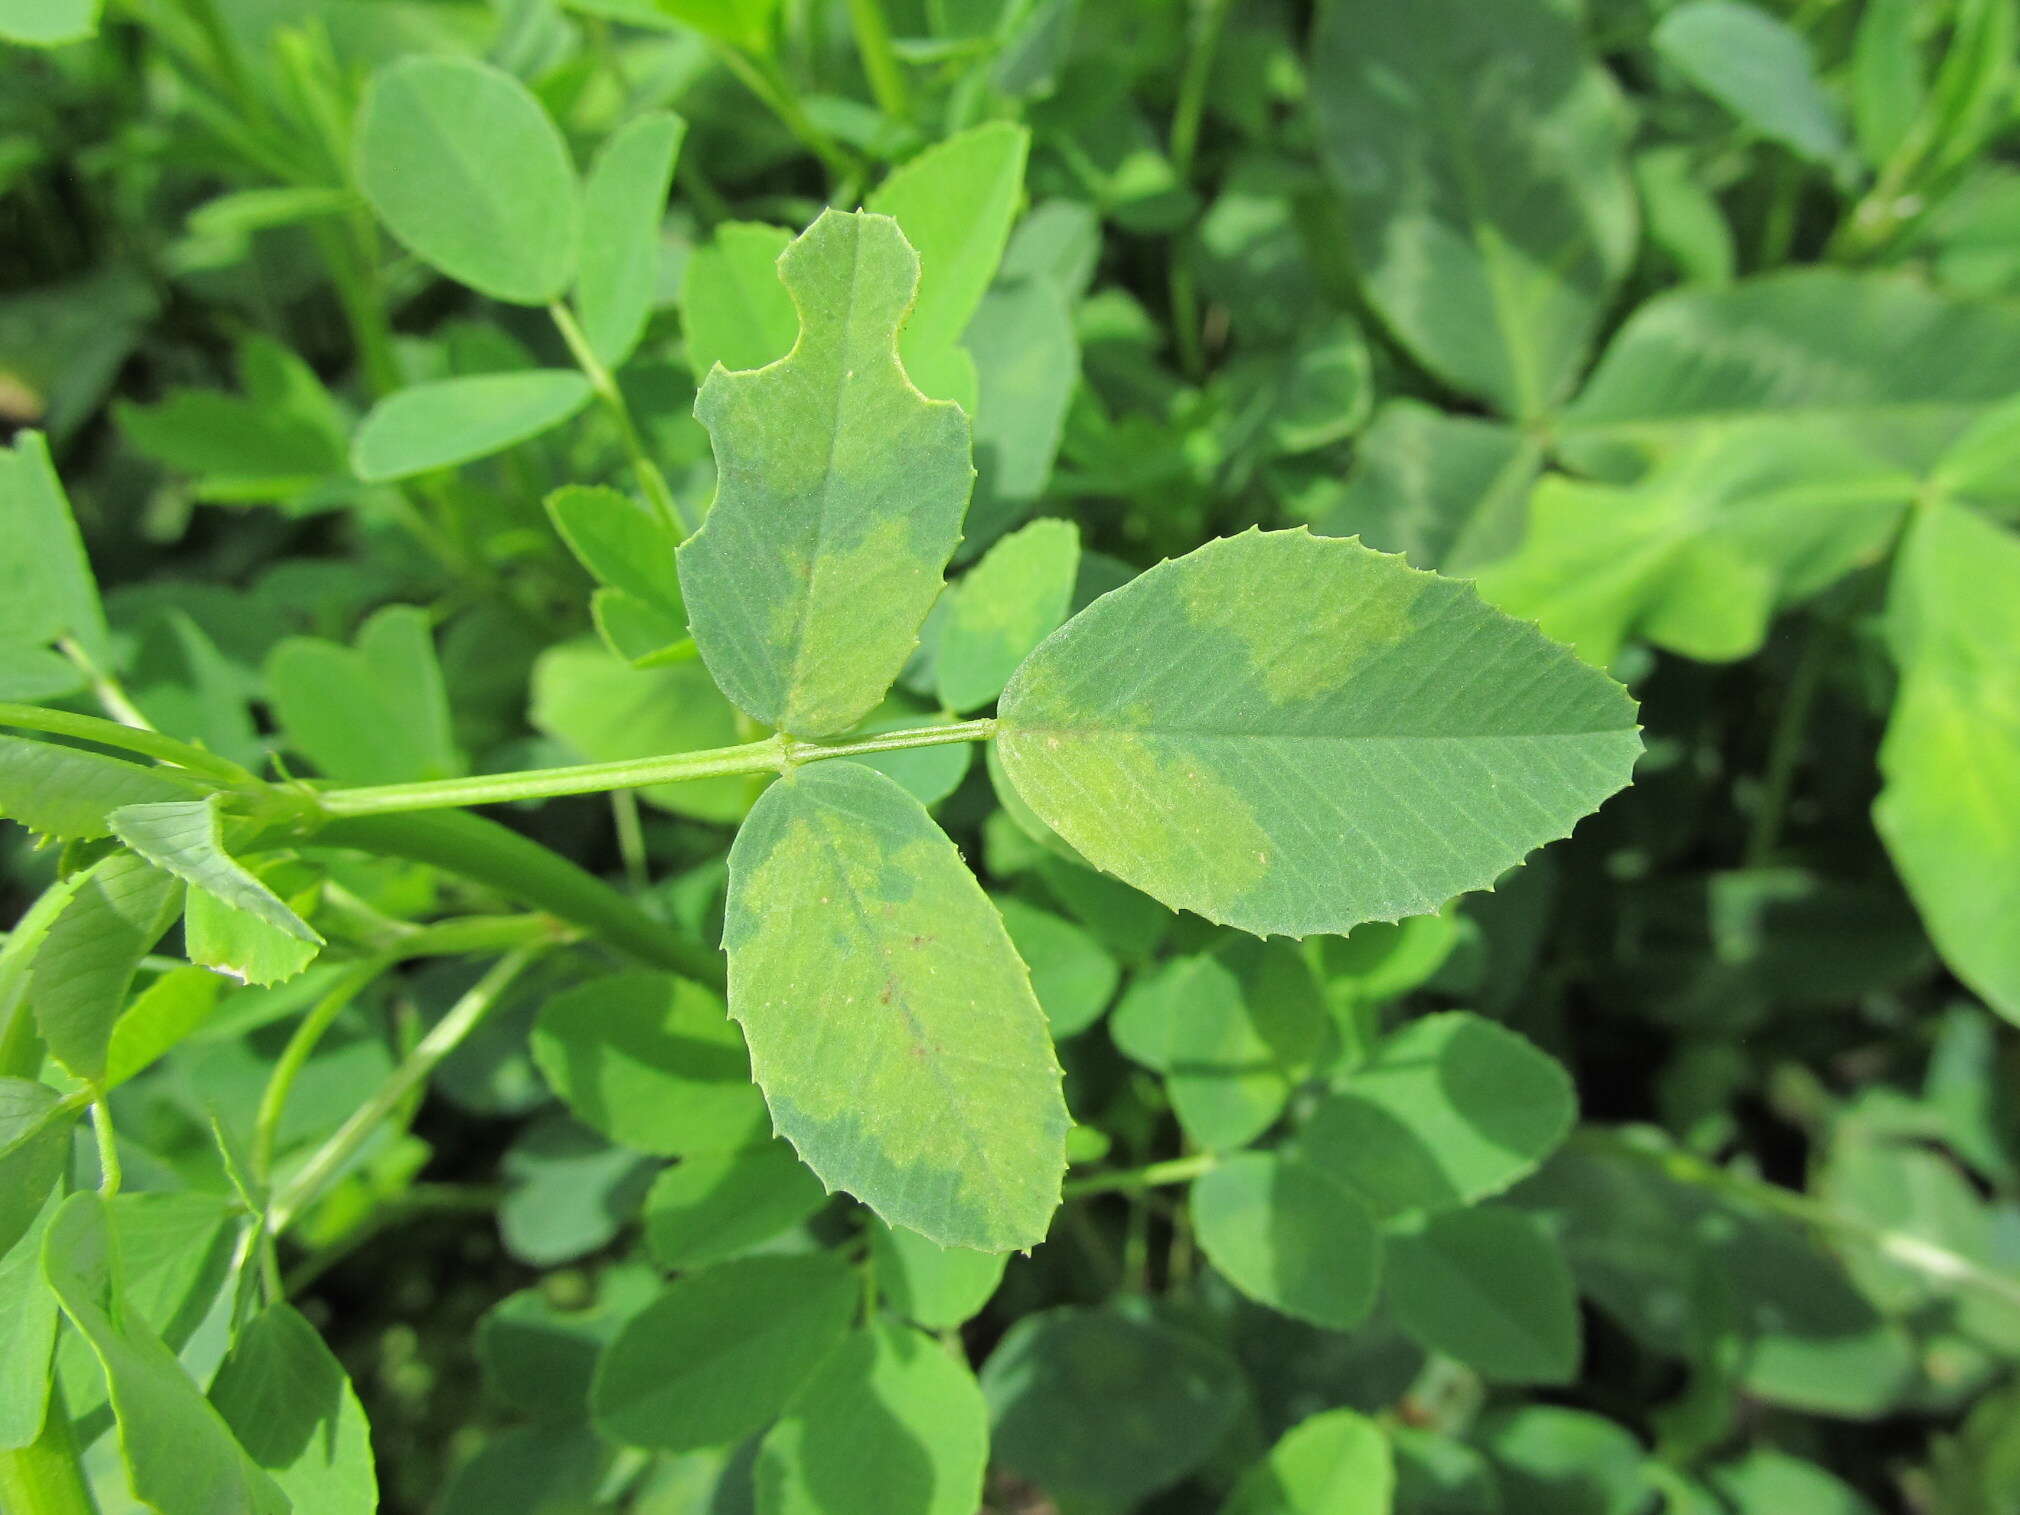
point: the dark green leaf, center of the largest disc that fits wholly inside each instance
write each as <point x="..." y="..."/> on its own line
<point x="717" y="1356"/>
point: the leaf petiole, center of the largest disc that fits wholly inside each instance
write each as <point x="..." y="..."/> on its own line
<point x="106" y="733"/>
<point x="1176" y="1170"/>
<point x="650" y="479"/>
<point x="775" y="754"/>
<point x="446" y="1035"/>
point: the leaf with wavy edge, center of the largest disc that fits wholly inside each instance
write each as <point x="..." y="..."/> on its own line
<point x="839" y="498"/>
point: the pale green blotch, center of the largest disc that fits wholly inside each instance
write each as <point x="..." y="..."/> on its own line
<point x="1294" y="734"/>
<point x="1352" y="607"/>
<point x="840" y="493"/>
<point x="890" y="1023"/>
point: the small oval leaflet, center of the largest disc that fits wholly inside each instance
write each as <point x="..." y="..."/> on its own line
<point x="461" y="161"/>
<point x="1295" y="734"/>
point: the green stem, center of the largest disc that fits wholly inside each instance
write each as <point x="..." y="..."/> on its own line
<point x="106" y="689"/>
<point x="1190" y="110"/>
<point x="106" y="733"/>
<point x="110" y="1175"/>
<point x="650" y="479"/>
<point x="45" y="1477"/>
<point x="1937" y="1262"/>
<point x="1785" y="750"/>
<point x="630" y="839"/>
<point x="1176" y="1170"/>
<point x="487" y="853"/>
<point x="1187" y="116"/>
<point x="443" y="1038"/>
<point x="765" y="80"/>
<point x="775" y="754"/>
<point x="308" y="1032"/>
<point x="356" y="282"/>
<point x="880" y="62"/>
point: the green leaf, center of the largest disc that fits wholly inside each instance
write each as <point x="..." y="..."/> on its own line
<point x="1478" y="149"/>
<point x="1982" y="468"/>
<point x="1490" y="1287"/>
<point x="641" y="634"/>
<point x="621" y="545"/>
<point x="930" y="1285"/>
<point x="1054" y="1382"/>
<point x="46" y="587"/>
<point x="286" y="1397"/>
<point x="241" y="945"/>
<point x="1950" y="809"/>
<point x="463" y="165"/>
<point x="160" y="1016"/>
<point x="66" y="792"/>
<point x="1233" y="1032"/>
<point x="652" y="1062"/>
<point x="1687" y="1274"/>
<point x="741" y="23"/>
<point x="1437" y="1475"/>
<point x="716" y="1205"/>
<point x="1697" y="557"/>
<point x="1073" y="976"/>
<point x="1335" y="1463"/>
<point x="374" y="714"/>
<point x="948" y="1118"/>
<point x="186" y="838"/>
<point x="282" y="440"/>
<point x="28" y="1320"/>
<point x="1896" y="368"/>
<point x="1027" y="367"/>
<point x="47" y="23"/>
<point x="1002" y="608"/>
<point x="891" y="1424"/>
<point x="733" y="308"/>
<point x="1446" y="491"/>
<point x="529" y="1470"/>
<point x="34" y="1151"/>
<point x="1291" y="1236"/>
<point x="179" y="1452"/>
<point x="1768" y="1482"/>
<point x="570" y="1191"/>
<point x="1551" y="1461"/>
<point x="1760" y="69"/>
<point x="954" y="204"/>
<point x="839" y="497"/>
<point x="604" y="711"/>
<point x="1685" y="220"/>
<point x="1292" y="734"/>
<point x="718" y="1355"/>
<point x="455" y="421"/>
<point x="623" y="202"/>
<point x="79" y="979"/>
<point x="1450" y="1109"/>
<point x="540" y="1359"/>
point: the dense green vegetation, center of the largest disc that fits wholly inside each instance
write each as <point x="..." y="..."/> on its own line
<point x="886" y="757"/>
